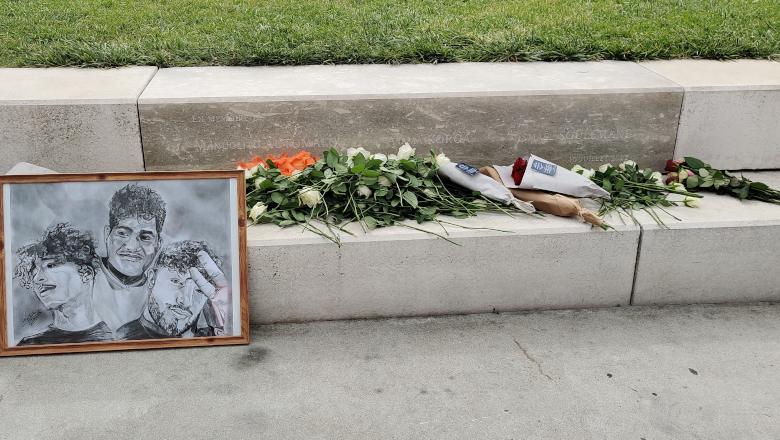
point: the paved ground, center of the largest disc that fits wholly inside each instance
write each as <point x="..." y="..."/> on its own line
<point x="623" y="373"/>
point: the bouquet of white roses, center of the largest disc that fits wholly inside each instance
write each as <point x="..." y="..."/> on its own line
<point x="373" y="190"/>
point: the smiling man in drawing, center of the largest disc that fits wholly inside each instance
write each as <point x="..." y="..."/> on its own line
<point x="187" y="293"/>
<point x="61" y="268"/>
<point x="133" y="236"/>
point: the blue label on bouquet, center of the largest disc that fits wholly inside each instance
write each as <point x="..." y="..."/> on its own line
<point x="471" y="171"/>
<point x="544" y="168"/>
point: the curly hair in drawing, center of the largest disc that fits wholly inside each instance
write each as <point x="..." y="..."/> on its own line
<point x="136" y="201"/>
<point x="181" y="256"/>
<point x="63" y="244"/>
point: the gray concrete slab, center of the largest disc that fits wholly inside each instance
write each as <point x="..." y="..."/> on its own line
<point x="713" y="253"/>
<point x="679" y="372"/>
<point x="481" y="113"/>
<point x="730" y="112"/>
<point x="542" y="263"/>
<point x="72" y="120"/>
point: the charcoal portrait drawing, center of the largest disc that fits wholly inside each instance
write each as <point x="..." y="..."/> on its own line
<point x="120" y="260"/>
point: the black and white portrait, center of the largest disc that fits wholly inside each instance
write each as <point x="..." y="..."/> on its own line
<point x="120" y="260"/>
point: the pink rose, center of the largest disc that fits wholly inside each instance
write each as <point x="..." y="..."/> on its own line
<point x="690" y="173"/>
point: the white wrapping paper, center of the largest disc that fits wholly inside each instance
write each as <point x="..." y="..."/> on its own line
<point x="484" y="184"/>
<point x="563" y="182"/>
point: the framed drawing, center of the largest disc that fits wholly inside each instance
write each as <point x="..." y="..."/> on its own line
<point x="118" y="261"/>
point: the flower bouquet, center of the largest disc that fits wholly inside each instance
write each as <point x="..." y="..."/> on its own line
<point x="698" y="176"/>
<point x="372" y="190"/>
<point x="633" y="189"/>
<point x="533" y="172"/>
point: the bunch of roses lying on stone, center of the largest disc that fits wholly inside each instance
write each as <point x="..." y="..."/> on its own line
<point x="372" y="190"/>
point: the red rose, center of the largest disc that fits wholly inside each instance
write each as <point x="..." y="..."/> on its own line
<point x="518" y="170"/>
<point x="671" y="165"/>
<point x="670" y="180"/>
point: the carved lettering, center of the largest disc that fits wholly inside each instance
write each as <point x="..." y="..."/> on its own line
<point x="431" y="139"/>
<point x="216" y="119"/>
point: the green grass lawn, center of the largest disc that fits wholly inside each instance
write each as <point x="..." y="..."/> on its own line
<point x="102" y="33"/>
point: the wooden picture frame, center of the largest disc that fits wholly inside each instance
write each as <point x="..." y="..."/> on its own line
<point x="186" y="307"/>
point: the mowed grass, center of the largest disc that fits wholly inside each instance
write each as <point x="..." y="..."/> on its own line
<point x="105" y="33"/>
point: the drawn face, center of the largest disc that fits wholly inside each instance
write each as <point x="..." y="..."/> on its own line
<point x="175" y="301"/>
<point x="131" y="245"/>
<point x="56" y="283"/>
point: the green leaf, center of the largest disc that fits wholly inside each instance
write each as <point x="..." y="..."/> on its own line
<point x="368" y="180"/>
<point x="341" y="168"/>
<point x="298" y="216"/>
<point x="328" y="173"/>
<point x="704" y="173"/>
<point x="691" y="182"/>
<point x="371" y="173"/>
<point x="357" y="169"/>
<point x="373" y="164"/>
<point x="430" y="210"/>
<point x="619" y="184"/>
<point x="734" y="181"/>
<point x="395" y="203"/>
<point x="277" y="197"/>
<point x="705" y="184"/>
<point x="409" y="165"/>
<point x="391" y="177"/>
<point x="316" y="173"/>
<point x="266" y="185"/>
<point x="694" y="163"/>
<point x="413" y="181"/>
<point x="331" y="159"/>
<point x="370" y="222"/>
<point x="759" y="185"/>
<point x="284" y="223"/>
<point x="319" y="164"/>
<point x="717" y="175"/>
<point x="647" y="172"/>
<point x="410" y="198"/>
<point x="359" y="159"/>
<point x="607" y="185"/>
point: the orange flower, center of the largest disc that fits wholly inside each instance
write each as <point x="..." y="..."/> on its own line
<point x="287" y="164"/>
<point x="253" y="163"/>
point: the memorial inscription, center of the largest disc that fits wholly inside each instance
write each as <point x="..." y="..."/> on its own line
<point x="494" y="130"/>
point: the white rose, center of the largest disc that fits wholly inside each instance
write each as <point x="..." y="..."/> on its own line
<point x="588" y="173"/>
<point x="259" y="181"/>
<point x="364" y="191"/>
<point x="656" y="178"/>
<point x="604" y="167"/>
<point x="441" y="159"/>
<point x="692" y="202"/>
<point x="577" y="168"/>
<point x="406" y="151"/>
<point x="383" y="181"/>
<point x="310" y="197"/>
<point x="250" y="173"/>
<point x="627" y="163"/>
<point x="295" y="174"/>
<point x="677" y="186"/>
<point x="257" y="210"/>
<point x="380" y="156"/>
<point x="392" y="157"/>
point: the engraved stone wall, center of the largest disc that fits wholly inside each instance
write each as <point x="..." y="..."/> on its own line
<point x="588" y="129"/>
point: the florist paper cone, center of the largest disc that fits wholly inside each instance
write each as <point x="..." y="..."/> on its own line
<point x="555" y="204"/>
<point x="489" y="188"/>
<point x="564" y="181"/>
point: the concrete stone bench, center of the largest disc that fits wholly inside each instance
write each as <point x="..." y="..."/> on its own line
<point x="731" y="111"/>
<point x="545" y="263"/>
<point x="72" y="120"/>
<point x="726" y="251"/>
<point x="481" y="113"/>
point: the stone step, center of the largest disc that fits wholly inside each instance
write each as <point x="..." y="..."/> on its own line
<point x="725" y="251"/>
<point x="544" y="263"/>
<point x="72" y="120"/>
<point x="481" y="113"/>
<point x="730" y="113"/>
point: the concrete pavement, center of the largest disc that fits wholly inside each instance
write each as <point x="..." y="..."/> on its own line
<point x="699" y="371"/>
